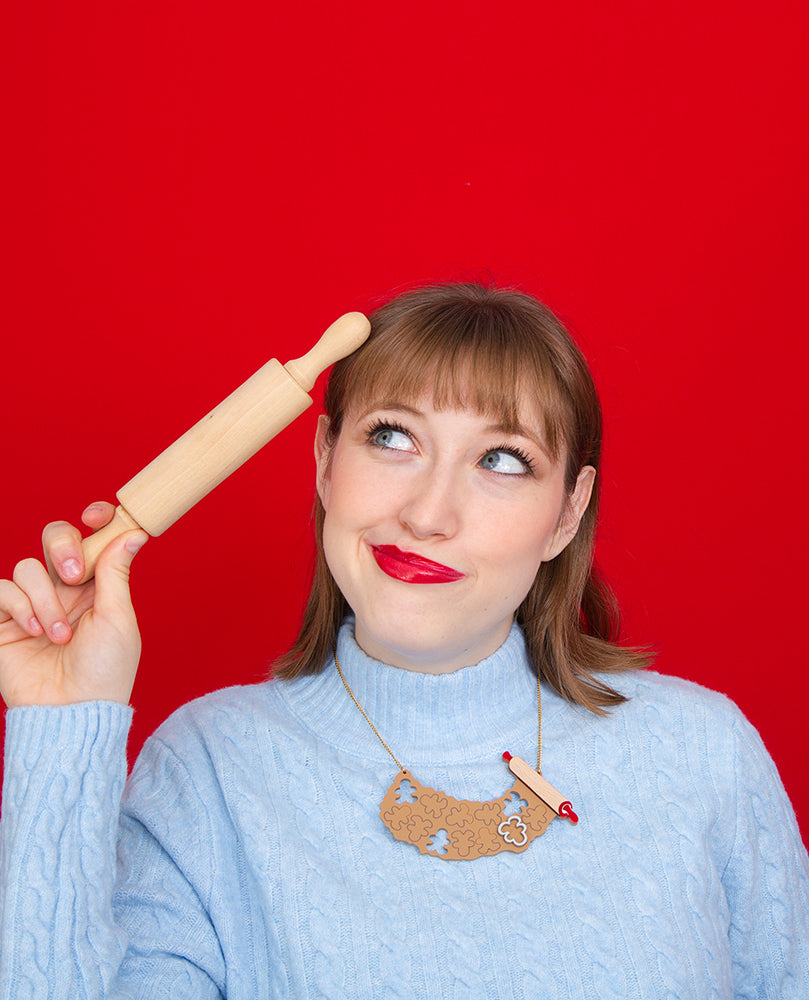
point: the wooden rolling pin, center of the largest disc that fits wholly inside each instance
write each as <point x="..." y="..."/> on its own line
<point x="224" y="439"/>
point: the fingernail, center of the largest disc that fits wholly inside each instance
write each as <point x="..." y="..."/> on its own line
<point x="71" y="568"/>
<point x="134" y="545"/>
<point x="60" y="630"/>
<point x="34" y="626"/>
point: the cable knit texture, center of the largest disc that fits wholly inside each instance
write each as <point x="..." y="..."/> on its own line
<point x="251" y="860"/>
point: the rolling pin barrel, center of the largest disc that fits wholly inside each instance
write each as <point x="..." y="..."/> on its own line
<point x="224" y="439"/>
<point x="213" y="448"/>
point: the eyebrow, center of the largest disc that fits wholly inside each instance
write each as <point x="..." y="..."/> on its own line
<point x="391" y="405"/>
<point x="518" y="430"/>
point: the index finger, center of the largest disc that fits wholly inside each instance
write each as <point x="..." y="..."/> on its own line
<point x="97" y="514"/>
<point x="61" y="543"/>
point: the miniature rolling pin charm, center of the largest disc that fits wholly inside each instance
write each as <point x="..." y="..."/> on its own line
<point x="534" y="780"/>
<point x="224" y="439"/>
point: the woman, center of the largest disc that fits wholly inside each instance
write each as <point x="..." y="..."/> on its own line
<point x="350" y="829"/>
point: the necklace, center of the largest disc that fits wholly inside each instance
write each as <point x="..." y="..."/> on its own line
<point x="462" y="830"/>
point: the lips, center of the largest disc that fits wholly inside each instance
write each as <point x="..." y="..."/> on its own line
<point x="410" y="568"/>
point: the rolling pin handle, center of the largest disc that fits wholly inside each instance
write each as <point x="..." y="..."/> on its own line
<point x="342" y="338"/>
<point x="94" y="544"/>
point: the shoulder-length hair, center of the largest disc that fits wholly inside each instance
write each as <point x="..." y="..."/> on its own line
<point x="491" y="350"/>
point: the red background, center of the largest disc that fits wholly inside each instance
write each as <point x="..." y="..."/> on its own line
<point x="193" y="188"/>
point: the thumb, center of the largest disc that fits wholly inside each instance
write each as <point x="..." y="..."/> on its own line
<point x="112" y="573"/>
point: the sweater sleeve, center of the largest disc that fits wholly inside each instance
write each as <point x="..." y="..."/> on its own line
<point x="60" y="937"/>
<point x="766" y="880"/>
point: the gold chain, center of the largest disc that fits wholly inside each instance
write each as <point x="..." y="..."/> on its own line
<point x="362" y="711"/>
<point x="539" y="726"/>
<point x="396" y="759"/>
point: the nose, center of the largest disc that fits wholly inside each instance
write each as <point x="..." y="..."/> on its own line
<point x="432" y="505"/>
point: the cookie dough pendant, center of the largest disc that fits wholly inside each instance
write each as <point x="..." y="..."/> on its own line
<point x="462" y="830"/>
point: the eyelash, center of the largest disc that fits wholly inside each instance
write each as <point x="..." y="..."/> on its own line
<point x="515" y="452"/>
<point x="384" y="425"/>
<point x="507" y="449"/>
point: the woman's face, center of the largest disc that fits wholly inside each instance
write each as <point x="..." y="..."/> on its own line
<point x="436" y="524"/>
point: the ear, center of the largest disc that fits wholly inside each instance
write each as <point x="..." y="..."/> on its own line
<point x="572" y="513"/>
<point x="322" y="458"/>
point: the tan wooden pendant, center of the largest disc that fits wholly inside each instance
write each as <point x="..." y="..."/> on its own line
<point x="459" y="829"/>
<point x="462" y="830"/>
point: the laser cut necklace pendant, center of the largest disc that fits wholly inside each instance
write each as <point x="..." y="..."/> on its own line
<point x="460" y="829"/>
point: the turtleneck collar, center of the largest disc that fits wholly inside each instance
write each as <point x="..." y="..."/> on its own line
<point x="471" y="714"/>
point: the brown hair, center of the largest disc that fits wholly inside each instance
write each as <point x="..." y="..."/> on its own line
<point x="490" y="350"/>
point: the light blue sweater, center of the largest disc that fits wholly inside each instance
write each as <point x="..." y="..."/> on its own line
<point x="252" y="861"/>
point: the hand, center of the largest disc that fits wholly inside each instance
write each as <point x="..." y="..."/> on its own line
<point x="63" y="643"/>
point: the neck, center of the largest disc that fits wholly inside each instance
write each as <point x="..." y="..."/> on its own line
<point x="454" y="718"/>
<point x="451" y="656"/>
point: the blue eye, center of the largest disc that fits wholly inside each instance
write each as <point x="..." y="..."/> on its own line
<point x="388" y="436"/>
<point x="508" y="463"/>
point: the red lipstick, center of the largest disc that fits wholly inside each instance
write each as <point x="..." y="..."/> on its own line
<point x="410" y="568"/>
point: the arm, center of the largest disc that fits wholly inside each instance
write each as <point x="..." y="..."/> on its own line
<point x="766" y="880"/>
<point x="66" y="931"/>
<point x="64" y="775"/>
<point x="68" y="656"/>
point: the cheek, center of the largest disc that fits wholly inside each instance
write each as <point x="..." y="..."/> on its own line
<point x="331" y="548"/>
<point x="521" y="566"/>
<point x="359" y="494"/>
<point x="337" y="486"/>
<point x="517" y="567"/>
<point x="518" y="540"/>
<point x="353" y="508"/>
<point x="340" y="553"/>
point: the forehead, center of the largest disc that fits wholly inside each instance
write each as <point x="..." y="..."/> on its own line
<point x="513" y="397"/>
<point x="527" y="422"/>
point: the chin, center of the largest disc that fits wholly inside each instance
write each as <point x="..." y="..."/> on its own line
<point x="409" y="639"/>
<point x="415" y="645"/>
